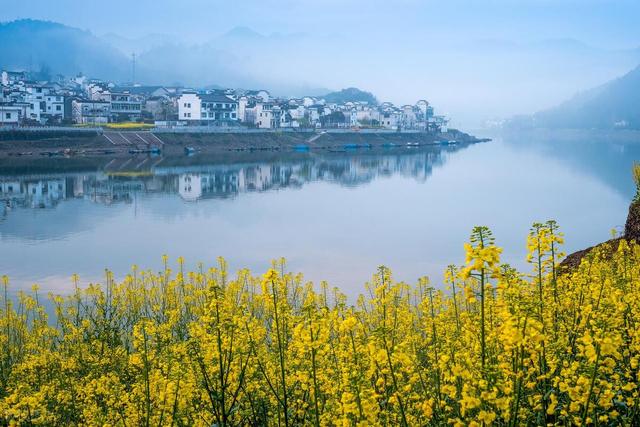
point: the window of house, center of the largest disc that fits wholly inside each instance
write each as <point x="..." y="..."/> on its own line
<point x="58" y="108"/>
<point x="8" y="115"/>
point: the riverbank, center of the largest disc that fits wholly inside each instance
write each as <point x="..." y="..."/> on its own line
<point x="44" y="164"/>
<point x="90" y="144"/>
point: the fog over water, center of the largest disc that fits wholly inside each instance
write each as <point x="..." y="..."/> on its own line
<point x="474" y="60"/>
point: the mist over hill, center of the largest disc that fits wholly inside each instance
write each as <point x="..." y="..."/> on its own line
<point x="160" y="59"/>
<point x="33" y="45"/>
<point x="613" y="105"/>
<point x="469" y="80"/>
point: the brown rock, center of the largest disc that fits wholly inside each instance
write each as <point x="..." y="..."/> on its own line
<point x="632" y="226"/>
<point x="631" y="232"/>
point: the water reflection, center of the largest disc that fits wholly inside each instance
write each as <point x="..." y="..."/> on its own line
<point x="121" y="182"/>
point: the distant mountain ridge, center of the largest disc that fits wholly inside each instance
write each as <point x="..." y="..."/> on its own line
<point x="32" y="45"/>
<point x="613" y="105"/>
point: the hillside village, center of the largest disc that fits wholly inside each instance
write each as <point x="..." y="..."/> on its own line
<point x="26" y="100"/>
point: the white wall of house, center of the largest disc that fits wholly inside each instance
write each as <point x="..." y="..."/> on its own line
<point x="9" y="115"/>
<point x="264" y="117"/>
<point x="390" y="120"/>
<point x="189" y="107"/>
<point x="90" y="112"/>
<point x="297" y="113"/>
<point x="353" y="117"/>
<point x="242" y="106"/>
<point x="54" y="105"/>
<point x="313" y="114"/>
<point x="264" y="95"/>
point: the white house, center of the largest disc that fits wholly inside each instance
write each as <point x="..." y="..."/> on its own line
<point x="263" y="115"/>
<point x="243" y="101"/>
<point x="207" y="108"/>
<point x="308" y="101"/>
<point x="390" y="119"/>
<point x="10" y="115"/>
<point x="10" y="77"/>
<point x="124" y="106"/>
<point x="263" y="95"/>
<point x="53" y="107"/>
<point x="86" y="111"/>
<point x="264" y="118"/>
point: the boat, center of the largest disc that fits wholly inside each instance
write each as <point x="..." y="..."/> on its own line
<point x="301" y="147"/>
<point x="152" y="150"/>
<point x="189" y="151"/>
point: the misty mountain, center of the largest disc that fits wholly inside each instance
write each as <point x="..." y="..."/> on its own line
<point x="239" y="58"/>
<point x="470" y="80"/>
<point x="615" y="104"/>
<point x="235" y="59"/>
<point x="350" y="94"/>
<point x="33" y="45"/>
<point x="127" y="46"/>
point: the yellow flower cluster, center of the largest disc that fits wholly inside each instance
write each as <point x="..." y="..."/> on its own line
<point x="496" y="347"/>
<point x="129" y="125"/>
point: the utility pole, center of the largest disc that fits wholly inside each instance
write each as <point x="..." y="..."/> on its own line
<point x="133" y="69"/>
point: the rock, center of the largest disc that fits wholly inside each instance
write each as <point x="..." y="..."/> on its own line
<point x="572" y="261"/>
<point x="631" y="232"/>
<point x="632" y="226"/>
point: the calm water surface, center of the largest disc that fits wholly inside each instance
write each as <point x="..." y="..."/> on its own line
<point x="334" y="216"/>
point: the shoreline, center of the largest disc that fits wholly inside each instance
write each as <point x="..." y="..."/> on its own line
<point x="44" y="164"/>
<point x="62" y="143"/>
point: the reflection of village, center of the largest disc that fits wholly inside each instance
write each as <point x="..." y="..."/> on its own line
<point x="194" y="183"/>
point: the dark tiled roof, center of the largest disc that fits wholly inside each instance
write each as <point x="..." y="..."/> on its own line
<point x="214" y="97"/>
<point x="138" y="90"/>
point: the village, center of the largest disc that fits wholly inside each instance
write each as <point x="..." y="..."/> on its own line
<point x="28" y="100"/>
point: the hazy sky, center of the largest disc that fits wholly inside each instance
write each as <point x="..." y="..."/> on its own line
<point x="605" y="23"/>
<point x="445" y="50"/>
